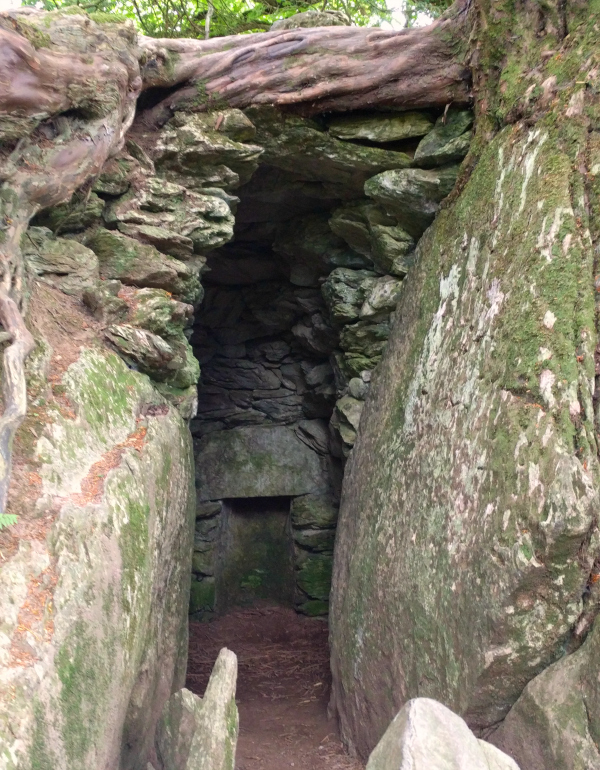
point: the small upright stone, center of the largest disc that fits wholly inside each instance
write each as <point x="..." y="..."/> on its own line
<point x="425" y="735"/>
<point x="201" y="733"/>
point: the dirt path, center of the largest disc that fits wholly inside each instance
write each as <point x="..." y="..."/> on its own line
<point x="283" y="687"/>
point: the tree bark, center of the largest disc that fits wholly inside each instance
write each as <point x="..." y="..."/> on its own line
<point x="319" y="70"/>
<point x="69" y="90"/>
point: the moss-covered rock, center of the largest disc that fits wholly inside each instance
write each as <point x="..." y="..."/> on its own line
<point x="81" y="212"/>
<point x="195" y="732"/>
<point x="412" y="196"/>
<point x="63" y="263"/>
<point x="314" y="576"/>
<point x="188" y="147"/>
<point x="473" y="487"/>
<point x="202" y="595"/>
<point x="448" y="142"/>
<point x="314" y="511"/>
<point x="164" y="361"/>
<point x="368" y="230"/>
<point x="380" y="127"/>
<point x="111" y="654"/>
<point x="312" y="249"/>
<point x="103" y="300"/>
<point x="173" y="218"/>
<point x="137" y="264"/>
<point x="550" y="724"/>
<point x="345" y="291"/>
<point x="303" y="147"/>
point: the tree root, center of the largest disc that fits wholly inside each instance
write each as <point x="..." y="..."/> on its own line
<point x="14" y="386"/>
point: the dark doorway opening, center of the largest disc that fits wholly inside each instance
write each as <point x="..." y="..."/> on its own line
<point x="256" y="558"/>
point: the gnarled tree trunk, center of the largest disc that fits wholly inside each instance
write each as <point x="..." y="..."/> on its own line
<point x="68" y="94"/>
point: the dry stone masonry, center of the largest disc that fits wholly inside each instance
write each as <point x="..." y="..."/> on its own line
<point x="249" y="263"/>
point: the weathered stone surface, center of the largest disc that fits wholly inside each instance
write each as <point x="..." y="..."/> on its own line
<point x="203" y="562"/>
<point x="202" y="595"/>
<point x="448" y="142"/>
<point x="316" y="540"/>
<point x="188" y="146"/>
<point x="256" y="462"/>
<point x="163" y="361"/>
<point x="173" y="218"/>
<point x="104" y="302"/>
<point x="201" y="733"/>
<point x="314" y="432"/>
<point x="90" y="693"/>
<point x="555" y="721"/>
<point x="316" y="335"/>
<point x="371" y="232"/>
<point x="381" y="298"/>
<point x="425" y="735"/>
<point x="137" y="264"/>
<point x="63" y="263"/>
<point x="205" y="510"/>
<point x="304" y="148"/>
<point x="80" y="212"/>
<point x="313" y="250"/>
<point x="464" y="496"/>
<point x="314" y="511"/>
<point x="345" y="291"/>
<point x="314" y="576"/>
<point x="312" y="18"/>
<point x="412" y="195"/>
<point x="363" y="343"/>
<point x="155" y="310"/>
<point x="255" y="554"/>
<point x="380" y="127"/>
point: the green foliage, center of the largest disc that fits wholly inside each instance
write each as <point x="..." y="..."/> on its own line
<point x="432" y="8"/>
<point x="188" y="18"/>
<point x="7" y="520"/>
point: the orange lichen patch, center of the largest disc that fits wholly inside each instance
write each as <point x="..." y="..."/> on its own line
<point x="35" y="618"/>
<point x="93" y="484"/>
<point x="26" y="529"/>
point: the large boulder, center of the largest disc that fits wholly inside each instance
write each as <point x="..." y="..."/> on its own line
<point x="93" y="615"/>
<point x="380" y="127"/>
<point x="464" y="496"/>
<point x="550" y="725"/>
<point x="201" y="733"/>
<point x="137" y="264"/>
<point x="412" y="196"/>
<point x="257" y="462"/>
<point x="304" y="148"/>
<point x="425" y="735"/>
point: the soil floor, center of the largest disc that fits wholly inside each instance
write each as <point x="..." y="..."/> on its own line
<point x="283" y="687"/>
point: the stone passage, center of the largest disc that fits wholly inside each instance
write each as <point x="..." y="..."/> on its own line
<point x="301" y="232"/>
<point x="296" y="313"/>
<point x="255" y="552"/>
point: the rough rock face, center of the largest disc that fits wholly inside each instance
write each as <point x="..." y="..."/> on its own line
<point x="472" y="492"/>
<point x="201" y="733"/>
<point x="296" y="315"/>
<point x="93" y="632"/>
<point x="425" y="735"/>
<point x="553" y="723"/>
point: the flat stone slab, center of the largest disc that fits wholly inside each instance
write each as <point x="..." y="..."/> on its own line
<point x="256" y="462"/>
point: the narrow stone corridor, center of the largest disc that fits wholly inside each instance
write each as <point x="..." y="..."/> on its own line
<point x="283" y="687"/>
